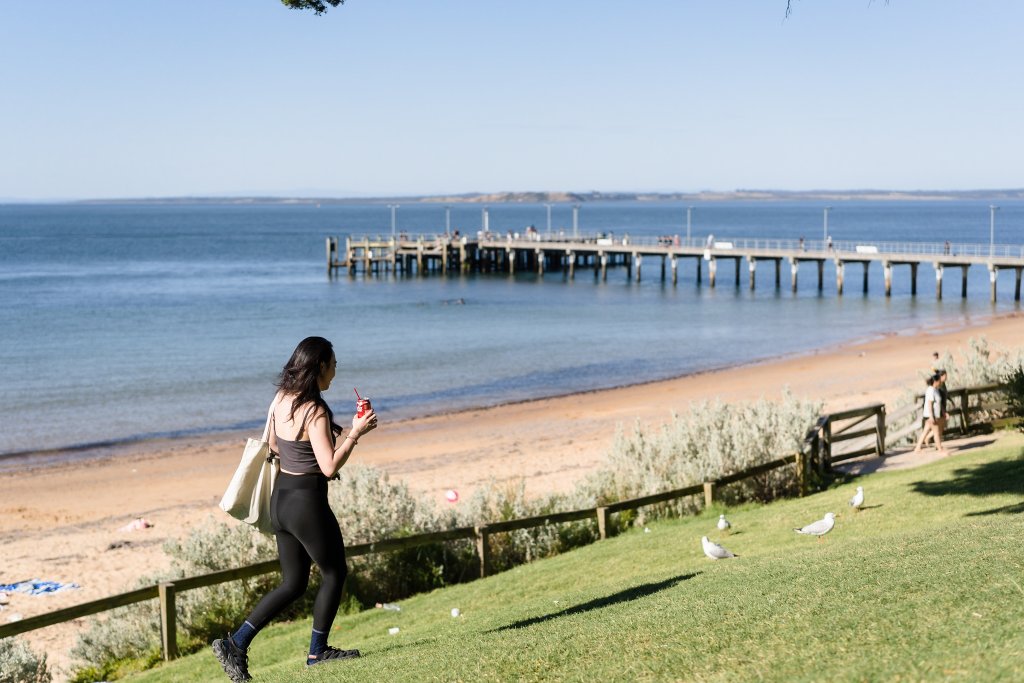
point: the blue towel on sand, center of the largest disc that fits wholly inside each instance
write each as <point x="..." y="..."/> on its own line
<point x="36" y="587"/>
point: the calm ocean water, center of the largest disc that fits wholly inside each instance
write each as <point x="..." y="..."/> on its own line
<point x="120" y="323"/>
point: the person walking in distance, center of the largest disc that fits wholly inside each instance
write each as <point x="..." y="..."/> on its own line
<point x="942" y="415"/>
<point x="306" y="438"/>
<point x="928" y="413"/>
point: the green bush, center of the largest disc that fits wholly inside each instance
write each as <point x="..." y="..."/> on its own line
<point x="712" y="440"/>
<point x="19" y="664"/>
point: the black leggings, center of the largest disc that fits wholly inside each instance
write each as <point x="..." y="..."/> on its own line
<point x="306" y="530"/>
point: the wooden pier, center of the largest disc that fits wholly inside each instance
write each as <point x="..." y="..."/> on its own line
<point x="440" y="254"/>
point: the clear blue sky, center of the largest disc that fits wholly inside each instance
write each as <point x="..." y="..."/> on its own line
<point x="130" y="98"/>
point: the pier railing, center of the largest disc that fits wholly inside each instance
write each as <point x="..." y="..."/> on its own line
<point x="863" y="431"/>
<point x="722" y="243"/>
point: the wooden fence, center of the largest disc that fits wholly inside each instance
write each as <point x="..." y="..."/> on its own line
<point x="865" y="429"/>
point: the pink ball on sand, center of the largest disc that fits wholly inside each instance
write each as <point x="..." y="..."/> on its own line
<point x="452" y="496"/>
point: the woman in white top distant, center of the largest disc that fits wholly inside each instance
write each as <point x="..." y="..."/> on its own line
<point x="930" y="416"/>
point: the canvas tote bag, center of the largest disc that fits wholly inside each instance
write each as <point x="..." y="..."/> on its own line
<point x="248" y="495"/>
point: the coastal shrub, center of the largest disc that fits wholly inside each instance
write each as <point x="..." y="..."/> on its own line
<point x="1014" y="381"/>
<point x="207" y="613"/>
<point x="127" y="639"/>
<point x="20" y="664"/>
<point x="713" y="439"/>
<point x="370" y="507"/>
<point x="503" y="501"/>
<point x="122" y="641"/>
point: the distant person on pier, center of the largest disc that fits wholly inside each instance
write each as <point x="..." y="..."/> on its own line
<point x="802" y="247"/>
<point x="830" y="242"/>
<point x="946" y="248"/>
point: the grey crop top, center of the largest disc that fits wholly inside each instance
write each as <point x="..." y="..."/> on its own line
<point x="297" y="456"/>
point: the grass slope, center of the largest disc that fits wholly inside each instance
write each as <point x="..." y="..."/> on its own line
<point x="927" y="583"/>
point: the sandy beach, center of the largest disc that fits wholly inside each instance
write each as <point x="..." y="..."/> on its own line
<point x="62" y="522"/>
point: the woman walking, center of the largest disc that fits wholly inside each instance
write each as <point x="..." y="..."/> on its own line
<point x="929" y="416"/>
<point x="304" y="435"/>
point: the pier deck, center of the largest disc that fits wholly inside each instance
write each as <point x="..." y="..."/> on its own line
<point x="423" y="254"/>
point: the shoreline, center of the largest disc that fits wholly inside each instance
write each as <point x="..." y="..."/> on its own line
<point x="128" y="447"/>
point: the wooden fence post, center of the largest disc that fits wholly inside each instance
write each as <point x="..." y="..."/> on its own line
<point x="168" y="621"/>
<point x="825" y="463"/>
<point x="880" y="429"/>
<point x="801" y="472"/>
<point x="483" y="549"/>
<point x="964" y="411"/>
<point x="815" y="449"/>
<point x="709" y="493"/>
<point x="603" y="520"/>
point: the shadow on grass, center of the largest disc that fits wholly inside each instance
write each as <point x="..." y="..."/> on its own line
<point x="634" y="593"/>
<point x="976" y="444"/>
<point x="1005" y="510"/>
<point x="1001" y="477"/>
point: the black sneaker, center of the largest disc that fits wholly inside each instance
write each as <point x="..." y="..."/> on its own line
<point x="331" y="654"/>
<point x="233" y="658"/>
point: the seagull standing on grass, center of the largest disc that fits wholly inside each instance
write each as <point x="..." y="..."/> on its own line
<point x="715" y="551"/>
<point x="858" y="498"/>
<point x="723" y="523"/>
<point x="819" y="528"/>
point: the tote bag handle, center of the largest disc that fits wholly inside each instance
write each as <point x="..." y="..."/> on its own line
<point x="270" y="418"/>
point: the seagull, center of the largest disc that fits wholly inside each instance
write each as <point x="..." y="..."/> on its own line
<point x="723" y="523"/>
<point x="715" y="551"/>
<point x="821" y="527"/>
<point x="858" y="498"/>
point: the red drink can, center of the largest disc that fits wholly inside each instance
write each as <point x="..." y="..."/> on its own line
<point x="362" y="407"/>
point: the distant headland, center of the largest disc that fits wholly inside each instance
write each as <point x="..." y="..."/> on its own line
<point x="582" y="197"/>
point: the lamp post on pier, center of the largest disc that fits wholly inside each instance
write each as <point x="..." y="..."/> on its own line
<point x="824" y="238"/>
<point x="575" y="220"/>
<point x="689" y="211"/>
<point x="393" y="208"/>
<point x="548" y="206"/>
<point x="992" y="230"/>
<point x="447" y="221"/>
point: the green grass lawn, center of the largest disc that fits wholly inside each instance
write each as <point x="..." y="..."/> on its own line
<point x="927" y="583"/>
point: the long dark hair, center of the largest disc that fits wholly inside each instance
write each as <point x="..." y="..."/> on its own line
<point x="301" y="374"/>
